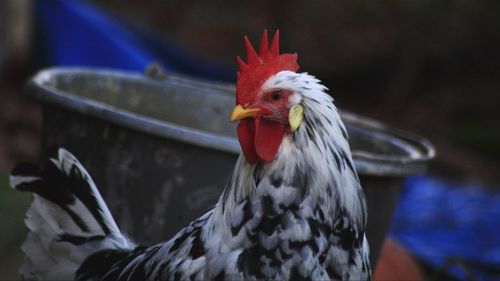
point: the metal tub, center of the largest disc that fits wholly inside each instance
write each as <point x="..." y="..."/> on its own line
<point x="161" y="150"/>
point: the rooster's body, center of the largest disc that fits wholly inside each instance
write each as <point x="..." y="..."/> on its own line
<point x="294" y="213"/>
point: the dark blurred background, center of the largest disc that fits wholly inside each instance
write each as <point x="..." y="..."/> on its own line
<point x="429" y="67"/>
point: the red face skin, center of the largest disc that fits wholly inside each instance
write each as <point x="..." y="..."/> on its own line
<point x="260" y="137"/>
<point x="274" y="106"/>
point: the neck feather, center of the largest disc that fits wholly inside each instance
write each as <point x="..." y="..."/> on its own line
<point x="316" y="159"/>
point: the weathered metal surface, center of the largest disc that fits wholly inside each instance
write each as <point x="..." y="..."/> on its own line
<point x="152" y="185"/>
<point x="162" y="150"/>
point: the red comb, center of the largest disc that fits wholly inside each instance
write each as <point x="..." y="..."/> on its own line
<point x="259" y="67"/>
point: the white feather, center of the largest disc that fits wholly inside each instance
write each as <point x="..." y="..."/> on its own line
<point x="17" y="180"/>
<point x="47" y="256"/>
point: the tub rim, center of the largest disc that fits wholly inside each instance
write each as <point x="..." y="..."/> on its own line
<point x="41" y="88"/>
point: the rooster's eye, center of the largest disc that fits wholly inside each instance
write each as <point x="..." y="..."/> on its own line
<point x="276" y="95"/>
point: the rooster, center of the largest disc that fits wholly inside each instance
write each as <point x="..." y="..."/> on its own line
<point x="293" y="208"/>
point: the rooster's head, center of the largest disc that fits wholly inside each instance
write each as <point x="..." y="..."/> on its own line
<point x="266" y="108"/>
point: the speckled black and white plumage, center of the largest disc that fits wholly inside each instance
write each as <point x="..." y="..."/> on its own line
<point x="300" y="217"/>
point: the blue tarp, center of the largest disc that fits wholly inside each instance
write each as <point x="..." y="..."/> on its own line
<point x="74" y="33"/>
<point x="438" y="221"/>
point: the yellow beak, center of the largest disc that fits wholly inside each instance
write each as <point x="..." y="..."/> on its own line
<point x="239" y="113"/>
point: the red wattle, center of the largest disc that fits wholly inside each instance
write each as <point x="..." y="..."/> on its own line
<point x="246" y="136"/>
<point x="268" y="137"/>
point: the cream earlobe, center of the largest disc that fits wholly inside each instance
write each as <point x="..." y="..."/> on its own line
<point x="295" y="116"/>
